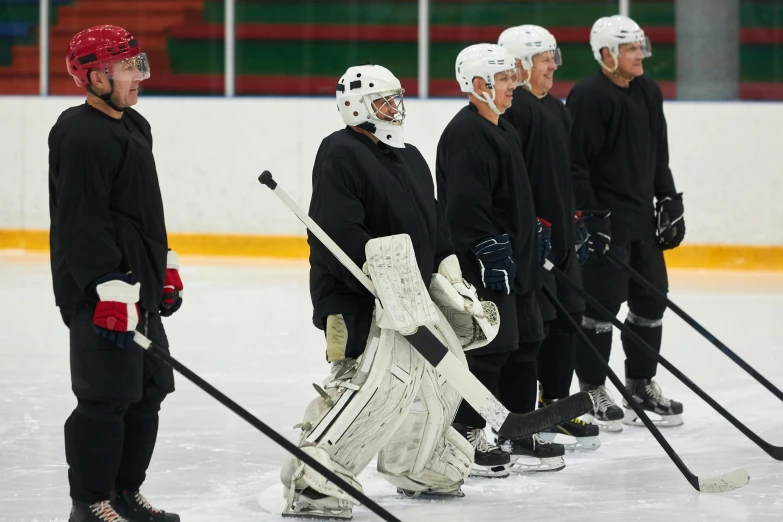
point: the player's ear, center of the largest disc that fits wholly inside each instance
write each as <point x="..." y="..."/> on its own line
<point x="479" y="84"/>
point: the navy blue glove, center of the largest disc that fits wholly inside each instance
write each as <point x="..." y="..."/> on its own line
<point x="498" y="270"/>
<point x="582" y="239"/>
<point x="600" y="232"/>
<point x="670" y="221"/>
<point x="544" y="232"/>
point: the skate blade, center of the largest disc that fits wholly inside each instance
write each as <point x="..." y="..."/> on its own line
<point x="490" y="472"/>
<point x="660" y="421"/>
<point x="431" y="493"/>
<point x="607" y="426"/>
<point x="571" y="443"/>
<point x="521" y="466"/>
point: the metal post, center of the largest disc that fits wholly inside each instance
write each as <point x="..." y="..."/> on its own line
<point x="625" y="7"/>
<point x="424" y="48"/>
<point x="43" y="46"/>
<point x="230" y="49"/>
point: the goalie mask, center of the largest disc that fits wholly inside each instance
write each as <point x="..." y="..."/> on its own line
<point x="483" y="61"/>
<point x="370" y="97"/>
<point x="527" y="41"/>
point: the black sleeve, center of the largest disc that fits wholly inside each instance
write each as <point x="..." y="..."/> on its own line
<point x="664" y="181"/>
<point x="83" y="187"/>
<point x="337" y="207"/>
<point x="469" y="195"/>
<point x="587" y="138"/>
<point x="443" y="246"/>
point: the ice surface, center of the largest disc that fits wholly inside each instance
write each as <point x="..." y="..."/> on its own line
<point x="245" y="327"/>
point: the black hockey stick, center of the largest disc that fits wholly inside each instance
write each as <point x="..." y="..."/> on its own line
<point x="775" y="452"/>
<point x="722" y="483"/>
<point x="639" y="278"/>
<point x="148" y="345"/>
<point x="509" y="425"/>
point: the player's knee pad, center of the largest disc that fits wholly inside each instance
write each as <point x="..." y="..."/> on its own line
<point x="596" y="325"/>
<point x="101" y="411"/>
<point x="426" y="453"/>
<point x="647" y="313"/>
<point x="362" y="404"/>
<point x="561" y="325"/>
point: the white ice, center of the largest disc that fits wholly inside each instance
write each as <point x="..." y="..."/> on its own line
<point x="245" y="327"/>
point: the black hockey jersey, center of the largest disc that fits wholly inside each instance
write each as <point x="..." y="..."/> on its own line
<point x="105" y="205"/>
<point x="484" y="188"/>
<point x="544" y="125"/>
<point x="361" y="191"/>
<point x="620" y="152"/>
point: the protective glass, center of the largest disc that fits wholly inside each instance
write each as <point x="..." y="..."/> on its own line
<point x="135" y="68"/>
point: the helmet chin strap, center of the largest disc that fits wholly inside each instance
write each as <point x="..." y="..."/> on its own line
<point x="490" y="101"/>
<point x="614" y="72"/>
<point x="107" y="97"/>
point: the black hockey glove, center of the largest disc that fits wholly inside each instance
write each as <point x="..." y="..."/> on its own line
<point x="582" y="237"/>
<point x="498" y="270"/>
<point x="599" y="229"/>
<point x="544" y="231"/>
<point x="670" y="221"/>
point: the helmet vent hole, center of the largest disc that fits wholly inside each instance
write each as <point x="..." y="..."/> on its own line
<point x="358" y="75"/>
<point x="347" y="103"/>
<point x="372" y="85"/>
<point x="355" y="113"/>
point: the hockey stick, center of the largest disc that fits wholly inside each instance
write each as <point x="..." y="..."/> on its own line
<point x="775" y="452"/>
<point x="509" y="425"/>
<point x="720" y="484"/>
<point x="639" y="278"/>
<point x="148" y="345"/>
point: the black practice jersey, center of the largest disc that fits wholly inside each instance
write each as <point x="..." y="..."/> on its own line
<point x="484" y="188"/>
<point x="620" y="152"/>
<point x="544" y="125"/>
<point x="105" y="205"/>
<point x="361" y="191"/>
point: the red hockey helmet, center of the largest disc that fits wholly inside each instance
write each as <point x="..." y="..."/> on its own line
<point x="101" y="47"/>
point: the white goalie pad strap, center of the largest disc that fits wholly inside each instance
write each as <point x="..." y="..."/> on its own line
<point x="297" y="476"/>
<point x="359" y="414"/>
<point x="421" y="455"/>
<point x="405" y="304"/>
<point x="475" y="322"/>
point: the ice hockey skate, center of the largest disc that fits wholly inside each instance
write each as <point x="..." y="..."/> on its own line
<point x="98" y="512"/>
<point x="647" y="393"/>
<point x="583" y="435"/>
<point x="490" y="461"/>
<point x="527" y="450"/>
<point x="133" y="506"/>
<point x="607" y="415"/>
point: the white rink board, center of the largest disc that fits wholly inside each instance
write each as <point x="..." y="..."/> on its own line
<point x="725" y="157"/>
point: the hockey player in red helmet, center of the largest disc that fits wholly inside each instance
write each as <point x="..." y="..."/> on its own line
<point x="113" y="274"/>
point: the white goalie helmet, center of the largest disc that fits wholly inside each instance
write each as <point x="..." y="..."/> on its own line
<point x="613" y="31"/>
<point x="357" y="91"/>
<point x="527" y="41"/>
<point x="483" y="61"/>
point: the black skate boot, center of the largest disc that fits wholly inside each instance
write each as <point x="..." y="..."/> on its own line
<point x="606" y="414"/>
<point x="526" y="450"/>
<point x="98" y="512"/>
<point x="585" y="435"/>
<point x="647" y="394"/>
<point x="489" y="461"/>
<point x="133" y="506"/>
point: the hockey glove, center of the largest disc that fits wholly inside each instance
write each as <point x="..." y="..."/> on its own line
<point x="582" y="239"/>
<point x="599" y="230"/>
<point x="544" y="232"/>
<point x="498" y="270"/>
<point x="172" y="286"/>
<point x="117" y="313"/>
<point x="670" y="220"/>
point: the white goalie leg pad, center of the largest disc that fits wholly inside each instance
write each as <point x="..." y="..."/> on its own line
<point x="361" y="406"/>
<point x="426" y="455"/>
<point x="475" y="322"/>
<point x="405" y="304"/>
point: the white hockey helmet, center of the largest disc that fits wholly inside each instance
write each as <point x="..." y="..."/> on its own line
<point x="483" y="61"/>
<point x="613" y="31"/>
<point x="362" y="85"/>
<point x="527" y="41"/>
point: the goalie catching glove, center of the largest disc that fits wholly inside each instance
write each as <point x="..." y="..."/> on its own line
<point x="475" y="322"/>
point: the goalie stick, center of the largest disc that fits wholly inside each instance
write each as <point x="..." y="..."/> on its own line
<point x="509" y="425"/>
<point x="718" y="484"/>
<point x="290" y="447"/>
<point x="776" y="452"/>
<point x="639" y="278"/>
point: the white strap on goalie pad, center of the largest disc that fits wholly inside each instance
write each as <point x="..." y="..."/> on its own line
<point x="426" y="453"/>
<point x="475" y="322"/>
<point x="361" y="406"/>
<point x="405" y="304"/>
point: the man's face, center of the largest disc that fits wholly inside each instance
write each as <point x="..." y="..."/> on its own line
<point x="505" y="83"/>
<point x="629" y="61"/>
<point x="387" y="107"/>
<point x="542" y="74"/>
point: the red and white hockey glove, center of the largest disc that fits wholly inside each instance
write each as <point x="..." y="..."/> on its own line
<point x="117" y="313"/>
<point x="172" y="286"/>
